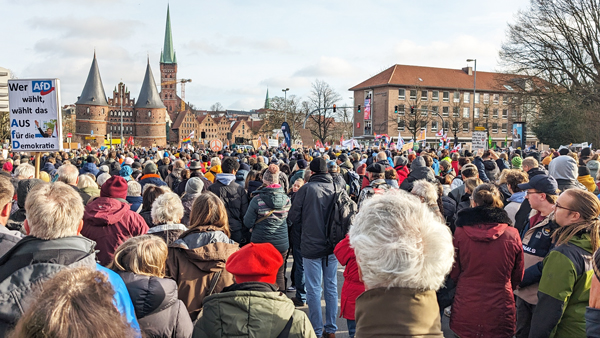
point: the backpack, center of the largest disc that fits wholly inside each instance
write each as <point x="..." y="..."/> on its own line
<point x="354" y="184"/>
<point x="341" y="217"/>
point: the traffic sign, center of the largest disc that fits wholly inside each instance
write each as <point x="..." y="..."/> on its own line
<point x="216" y="145"/>
<point x="69" y="135"/>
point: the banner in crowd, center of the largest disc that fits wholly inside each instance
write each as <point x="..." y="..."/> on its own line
<point x="422" y="135"/>
<point x="287" y="133"/>
<point x="35" y="119"/>
<point x="350" y="144"/>
<point x="367" y="109"/>
<point x="518" y="135"/>
<point x="479" y="139"/>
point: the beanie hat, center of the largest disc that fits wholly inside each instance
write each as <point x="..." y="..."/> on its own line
<point x="318" y="165"/>
<point x="194" y="186"/>
<point x="564" y="151"/>
<point x="401" y="161"/>
<point x="128" y="161"/>
<point x="44" y="177"/>
<point x="301" y="164"/>
<point x="7" y="167"/>
<point x="343" y="158"/>
<point x="126" y="172"/>
<point x="103" y="168"/>
<point x="115" y="187"/>
<point x="255" y="262"/>
<point x="516" y="162"/>
<point x="546" y="161"/>
<point x="150" y="168"/>
<point x="586" y="152"/>
<point x="362" y="169"/>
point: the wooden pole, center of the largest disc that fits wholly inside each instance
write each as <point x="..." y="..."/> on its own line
<point x="38" y="159"/>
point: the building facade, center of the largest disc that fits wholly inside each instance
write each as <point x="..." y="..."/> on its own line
<point x="403" y="100"/>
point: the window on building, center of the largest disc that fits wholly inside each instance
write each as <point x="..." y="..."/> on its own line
<point x="476" y="97"/>
<point x="435" y="110"/>
<point x="455" y="111"/>
<point x="401" y="94"/>
<point x="446" y="96"/>
<point x="466" y="97"/>
<point x="435" y="96"/>
<point x="476" y="113"/>
<point x="504" y="113"/>
<point x="401" y="125"/>
<point x="495" y="128"/>
<point x="446" y="125"/>
<point x="445" y="111"/>
<point x="413" y="94"/>
<point x="401" y="110"/>
<point x="424" y="95"/>
<point x="455" y="125"/>
<point x="424" y="110"/>
<point x="504" y="99"/>
<point x="466" y="112"/>
<point x="465" y="127"/>
<point x="504" y="125"/>
<point x="496" y="98"/>
<point x="456" y="97"/>
<point x="495" y="113"/>
<point x="486" y="98"/>
<point x="434" y="125"/>
<point x="87" y="110"/>
<point x="514" y="113"/>
<point x="486" y="111"/>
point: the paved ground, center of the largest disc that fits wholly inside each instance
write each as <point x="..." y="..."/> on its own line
<point x="341" y="322"/>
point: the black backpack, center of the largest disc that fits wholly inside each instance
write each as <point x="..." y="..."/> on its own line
<point x="341" y="217"/>
<point x="354" y="184"/>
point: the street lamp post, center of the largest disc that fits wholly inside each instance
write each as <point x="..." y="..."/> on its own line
<point x="474" y="87"/>
<point x="285" y="104"/>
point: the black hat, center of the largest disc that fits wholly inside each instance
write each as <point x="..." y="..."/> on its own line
<point x="586" y="152"/>
<point x="376" y="168"/>
<point x="195" y="165"/>
<point x="318" y="165"/>
<point x="541" y="183"/>
<point x="301" y="164"/>
<point x="343" y="158"/>
<point x="564" y="151"/>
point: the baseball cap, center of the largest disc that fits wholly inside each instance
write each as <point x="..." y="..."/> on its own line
<point x="541" y="183"/>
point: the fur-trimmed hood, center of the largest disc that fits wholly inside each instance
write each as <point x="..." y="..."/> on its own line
<point x="483" y="223"/>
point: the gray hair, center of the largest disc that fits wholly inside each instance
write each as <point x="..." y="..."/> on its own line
<point x="54" y="210"/>
<point x="425" y="190"/>
<point x="215" y="161"/>
<point x="399" y="242"/>
<point x="381" y="156"/>
<point x="85" y="181"/>
<point x="25" y="171"/>
<point x="68" y="174"/>
<point x="134" y="188"/>
<point x="167" y="208"/>
<point x="102" y="178"/>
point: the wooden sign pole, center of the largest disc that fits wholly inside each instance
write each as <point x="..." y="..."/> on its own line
<point x="38" y="159"/>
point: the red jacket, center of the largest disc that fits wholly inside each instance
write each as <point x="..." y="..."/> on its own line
<point x="488" y="267"/>
<point x="402" y="172"/>
<point x="455" y="167"/>
<point x="352" y="287"/>
<point x="110" y="222"/>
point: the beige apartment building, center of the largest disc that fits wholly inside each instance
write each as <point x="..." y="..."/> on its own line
<point x="407" y="99"/>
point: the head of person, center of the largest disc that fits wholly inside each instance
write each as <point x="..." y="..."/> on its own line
<point x="134" y="189"/>
<point x="517" y="162"/>
<point x="54" y="210"/>
<point x="445" y="167"/>
<point x="114" y="187"/>
<point x="375" y="171"/>
<point x="541" y="191"/>
<point x="462" y="161"/>
<point x="390" y="174"/>
<point x="68" y="173"/>
<point x="7" y="192"/>
<point x="381" y="156"/>
<point x="142" y="255"/>
<point x="149" y="194"/>
<point x="167" y="209"/>
<point x="85" y="181"/>
<point x="255" y="262"/>
<point x="271" y="175"/>
<point x="318" y="166"/>
<point x="577" y="212"/>
<point x="486" y="195"/>
<point x="297" y="184"/>
<point x="215" y="161"/>
<point x="399" y="242"/>
<point x="76" y="302"/>
<point x="230" y="165"/>
<point x="471" y="184"/>
<point x="149" y="168"/>
<point x="428" y="160"/>
<point x="529" y="163"/>
<point x="208" y="210"/>
<point x="400" y="161"/>
<point x="24" y="171"/>
<point x="426" y="192"/>
<point x="469" y="171"/>
<point x="513" y="178"/>
<point x="194" y="186"/>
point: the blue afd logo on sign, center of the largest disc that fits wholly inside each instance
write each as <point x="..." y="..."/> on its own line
<point x="42" y="87"/>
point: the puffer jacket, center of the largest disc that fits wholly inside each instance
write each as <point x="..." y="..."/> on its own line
<point x="352" y="287"/>
<point x="212" y="173"/>
<point x="240" y="177"/>
<point x="274" y="228"/>
<point x="418" y="171"/>
<point x="402" y="172"/>
<point x="194" y="259"/>
<point x="236" y="203"/>
<point x="110" y="222"/>
<point x="488" y="267"/>
<point x="251" y="309"/>
<point x="152" y="179"/>
<point x="298" y="174"/>
<point x="159" y="312"/>
<point x="478" y="162"/>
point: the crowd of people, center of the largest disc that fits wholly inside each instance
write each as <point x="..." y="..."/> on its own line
<point x="177" y="243"/>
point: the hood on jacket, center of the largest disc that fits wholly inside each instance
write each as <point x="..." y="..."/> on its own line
<point x="418" y="162"/>
<point x="149" y="294"/>
<point x="240" y="175"/>
<point x="564" y="168"/>
<point x="593" y="165"/>
<point x="226" y="179"/>
<point x="537" y="171"/>
<point x="517" y="197"/>
<point x="483" y="224"/>
<point x="90" y="167"/>
<point x="216" y="169"/>
<point x="274" y="198"/>
<point x="104" y="210"/>
<point x="588" y="182"/>
<point x="23" y="188"/>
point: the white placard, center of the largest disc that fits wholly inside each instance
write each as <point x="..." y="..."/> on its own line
<point x="479" y="140"/>
<point x="35" y="119"/>
<point x="273" y="143"/>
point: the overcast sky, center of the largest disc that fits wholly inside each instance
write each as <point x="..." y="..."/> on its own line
<point x="234" y="50"/>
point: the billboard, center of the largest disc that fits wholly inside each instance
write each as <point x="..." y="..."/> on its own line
<point x="518" y="135"/>
<point x="35" y="119"/>
<point x="367" y="109"/>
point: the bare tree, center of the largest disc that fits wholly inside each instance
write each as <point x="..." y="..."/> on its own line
<point x="455" y="116"/>
<point x="280" y="110"/>
<point x="417" y="115"/>
<point x="217" y="107"/>
<point x="321" y="100"/>
<point x="343" y="124"/>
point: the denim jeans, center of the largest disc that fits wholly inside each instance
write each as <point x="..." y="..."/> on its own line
<point x="299" y="274"/>
<point x="317" y="271"/>
<point x="351" y="327"/>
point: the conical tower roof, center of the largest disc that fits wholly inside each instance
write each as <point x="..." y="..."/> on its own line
<point x="149" y="97"/>
<point x="168" y="53"/>
<point x="93" y="91"/>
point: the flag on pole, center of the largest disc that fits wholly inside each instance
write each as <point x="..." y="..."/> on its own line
<point x="400" y="141"/>
<point x="342" y="139"/>
<point x="440" y="133"/>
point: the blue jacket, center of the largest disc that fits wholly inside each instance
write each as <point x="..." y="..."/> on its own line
<point x="135" y="202"/>
<point x="152" y="179"/>
<point x="478" y="162"/>
<point x="89" y="168"/>
<point x="122" y="300"/>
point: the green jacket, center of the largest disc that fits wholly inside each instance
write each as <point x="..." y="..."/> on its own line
<point x="564" y="290"/>
<point x="249" y="313"/>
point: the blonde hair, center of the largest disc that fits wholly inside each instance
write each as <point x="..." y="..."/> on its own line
<point x="142" y="255"/>
<point x="472" y="183"/>
<point x="588" y="207"/>
<point x="86" y="181"/>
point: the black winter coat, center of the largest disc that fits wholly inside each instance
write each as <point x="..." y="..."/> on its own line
<point x="310" y="208"/>
<point x="158" y="311"/>
<point x="449" y="211"/>
<point x="418" y="171"/>
<point x="236" y="202"/>
<point x="522" y="216"/>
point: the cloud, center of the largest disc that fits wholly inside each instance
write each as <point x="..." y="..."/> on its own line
<point x="208" y="47"/>
<point x="328" y="67"/>
<point x="285" y="82"/>
<point x="246" y="102"/>
<point x="91" y="27"/>
<point x="233" y="45"/>
<point x="78" y="47"/>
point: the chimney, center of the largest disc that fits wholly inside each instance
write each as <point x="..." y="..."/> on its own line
<point x="468" y="70"/>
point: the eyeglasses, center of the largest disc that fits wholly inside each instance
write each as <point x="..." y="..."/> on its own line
<point x="527" y="192"/>
<point x="561" y="207"/>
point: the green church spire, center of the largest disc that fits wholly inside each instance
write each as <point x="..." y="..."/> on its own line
<point x="267" y="101"/>
<point x="168" y="53"/>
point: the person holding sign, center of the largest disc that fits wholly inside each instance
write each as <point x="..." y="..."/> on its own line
<point x="48" y="132"/>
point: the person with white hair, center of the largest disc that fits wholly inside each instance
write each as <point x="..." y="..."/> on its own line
<point x="102" y="178"/>
<point x="69" y="174"/>
<point x="167" y="212"/>
<point x="134" y="196"/>
<point x="215" y="168"/>
<point x="193" y="189"/>
<point x="87" y="185"/>
<point x="427" y="192"/>
<point x="403" y="253"/>
<point x="24" y="171"/>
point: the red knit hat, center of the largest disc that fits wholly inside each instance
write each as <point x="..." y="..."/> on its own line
<point x="255" y="262"/>
<point x="362" y="169"/>
<point x="115" y="187"/>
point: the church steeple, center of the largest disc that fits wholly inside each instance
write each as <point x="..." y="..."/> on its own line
<point x="267" y="101"/>
<point x="168" y="53"/>
<point x="149" y="97"/>
<point x="93" y="91"/>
